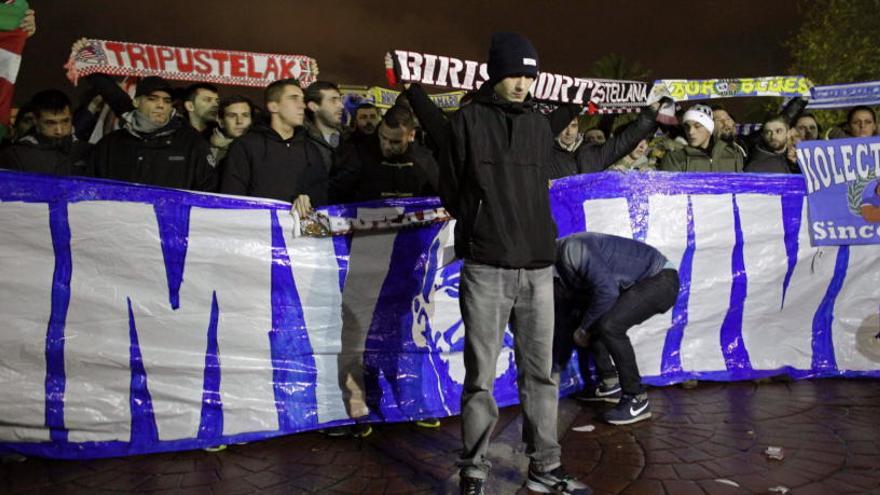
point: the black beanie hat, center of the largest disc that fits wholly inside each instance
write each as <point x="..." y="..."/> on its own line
<point x="511" y="54"/>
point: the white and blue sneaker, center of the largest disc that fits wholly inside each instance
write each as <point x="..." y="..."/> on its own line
<point x="631" y="409"/>
<point x="556" y="481"/>
<point x="471" y="486"/>
<point x="601" y="393"/>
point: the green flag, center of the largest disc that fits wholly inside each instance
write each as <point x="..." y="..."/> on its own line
<point x="11" y="14"/>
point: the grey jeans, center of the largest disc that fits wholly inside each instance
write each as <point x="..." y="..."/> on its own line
<point x="490" y="297"/>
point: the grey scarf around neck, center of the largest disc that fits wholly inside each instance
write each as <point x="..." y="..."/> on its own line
<point x="574" y="146"/>
<point x="142" y="125"/>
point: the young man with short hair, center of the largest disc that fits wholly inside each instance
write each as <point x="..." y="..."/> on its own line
<point x="235" y="117"/>
<point x="51" y="148"/>
<point x="770" y="154"/>
<point x="807" y="127"/>
<point x="277" y="160"/>
<point x="392" y="166"/>
<point x="366" y="119"/>
<point x="324" y="110"/>
<point x="202" y="103"/>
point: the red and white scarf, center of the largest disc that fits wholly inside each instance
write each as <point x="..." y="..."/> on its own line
<point x="235" y="68"/>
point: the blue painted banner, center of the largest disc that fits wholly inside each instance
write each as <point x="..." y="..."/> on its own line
<point x="843" y="191"/>
<point x="140" y="319"/>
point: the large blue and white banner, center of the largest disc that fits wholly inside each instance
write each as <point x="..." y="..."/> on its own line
<point x="842" y="190"/>
<point x="140" y="319"/>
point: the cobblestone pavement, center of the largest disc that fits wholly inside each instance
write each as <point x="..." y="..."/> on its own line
<point x="709" y="440"/>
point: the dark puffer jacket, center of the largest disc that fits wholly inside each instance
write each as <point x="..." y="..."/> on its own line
<point x="603" y="266"/>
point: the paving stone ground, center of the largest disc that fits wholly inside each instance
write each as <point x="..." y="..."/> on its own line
<point x="708" y="440"/>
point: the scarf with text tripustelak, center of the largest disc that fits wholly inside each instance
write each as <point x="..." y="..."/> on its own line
<point x="117" y="58"/>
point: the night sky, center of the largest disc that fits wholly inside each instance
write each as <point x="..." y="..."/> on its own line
<point x="704" y="39"/>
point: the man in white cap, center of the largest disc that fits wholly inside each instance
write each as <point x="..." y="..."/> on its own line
<point x="703" y="152"/>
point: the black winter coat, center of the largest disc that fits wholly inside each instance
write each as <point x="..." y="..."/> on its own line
<point x="174" y="156"/>
<point x="435" y="122"/>
<point x="35" y="153"/>
<point x="363" y="174"/>
<point x="494" y="180"/>
<point x="262" y="164"/>
<point x="590" y="158"/>
<point x="564" y="162"/>
<point x="765" y="161"/>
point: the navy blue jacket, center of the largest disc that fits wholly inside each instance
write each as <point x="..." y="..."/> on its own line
<point x="603" y="266"/>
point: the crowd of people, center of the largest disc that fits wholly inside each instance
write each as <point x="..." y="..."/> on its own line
<point x="490" y="163"/>
<point x="300" y="145"/>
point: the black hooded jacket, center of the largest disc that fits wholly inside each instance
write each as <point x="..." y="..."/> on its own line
<point x="263" y="164"/>
<point x="494" y="181"/>
<point x="495" y="173"/>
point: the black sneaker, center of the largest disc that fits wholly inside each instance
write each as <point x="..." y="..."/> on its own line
<point x="600" y="393"/>
<point x="471" y="486"/>
<point x="336" y="431"/>
<point x="556" y="481"/>
<point x="428" y="423"/>
<point x="361" y="430"/>
<point x="629" y="410"/>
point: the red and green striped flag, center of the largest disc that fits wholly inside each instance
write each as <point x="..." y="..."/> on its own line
<point x="11" y="45"/>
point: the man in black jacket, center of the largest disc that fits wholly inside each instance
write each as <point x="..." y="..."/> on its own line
<point x="580" y="159"/>
<point x="202" y="103"/>
<point x="366" y="120"/>
<point x="324" y="109"/>
<point x="391" y="165"/>
<point x="51" y="148"/>
<point x="589" y="157"/>
<point x="770" y="154"/>
<point x="605" y="286"/>
<point x="278" y="161"/>
<point x="565" y="147"/>
<point x="155" y="147"/>
<point x="494" y="183"/>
